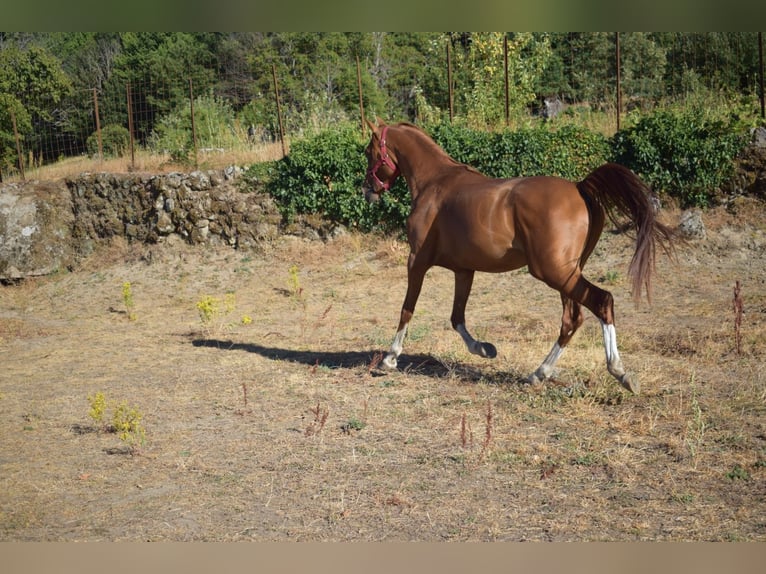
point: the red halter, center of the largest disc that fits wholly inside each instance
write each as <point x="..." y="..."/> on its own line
<point x="384" y="159"/>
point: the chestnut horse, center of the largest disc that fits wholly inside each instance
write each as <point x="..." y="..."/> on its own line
<point x="465" y="221"/>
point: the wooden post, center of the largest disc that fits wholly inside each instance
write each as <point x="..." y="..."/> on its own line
<point x="507" y="89"/>
<point x="130" y="127"/>
<point x="619" y="92"/>
<point x="361" y="99"/>
<point x="193" y="127"/>
<point x="279" y="109"/>
<point x="18" y="146"/>
<point x="449" y="79"/>
<point x="760" y="71"/>
<point x="98" y="125"/>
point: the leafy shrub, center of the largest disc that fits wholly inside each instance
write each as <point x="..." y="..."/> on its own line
<point x="324" y="174"/>
<point x="214" y="124"/>
<point x="115" y="141"/>
<point x="569" y="152"/>
<point x="684" y="154"/>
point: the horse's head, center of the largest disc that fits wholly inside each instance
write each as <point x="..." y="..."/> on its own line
<point x="382" y="169"/>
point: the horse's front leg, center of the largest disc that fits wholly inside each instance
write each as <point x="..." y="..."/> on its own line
<point x="415" y="274"/>
<point x="463" y="284"/>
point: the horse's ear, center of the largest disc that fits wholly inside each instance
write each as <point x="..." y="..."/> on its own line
<point x="373" y="127"/>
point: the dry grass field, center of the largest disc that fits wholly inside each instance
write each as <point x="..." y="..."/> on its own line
<point x="266" y="419"/>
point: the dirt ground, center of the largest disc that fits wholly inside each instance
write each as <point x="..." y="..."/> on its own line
<point x="266" y="419"/>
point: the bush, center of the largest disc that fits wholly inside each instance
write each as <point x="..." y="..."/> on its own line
<point x="324" y="174"/>
<point x="683" y="154"/>
<point x="115" y="141"/>
<point x="569" y="152"/>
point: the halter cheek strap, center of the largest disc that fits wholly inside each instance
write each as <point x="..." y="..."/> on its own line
<point x="384" y="159"/>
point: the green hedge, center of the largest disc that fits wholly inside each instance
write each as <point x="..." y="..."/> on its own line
<point x="569" y="152"/>
<point x="680" y="154"/>
<point x="324" y="175"/>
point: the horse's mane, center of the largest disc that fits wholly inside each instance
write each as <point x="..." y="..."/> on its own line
<point x="436" y="148"/>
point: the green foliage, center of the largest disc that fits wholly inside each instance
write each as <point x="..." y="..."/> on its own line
<point x="97" y="407"/>
<point x="126" y="421"/>
<point x="569" y="152"/>
<point x="115" y="141"/>
<point x="323" y="174"/>
<point x="214" y="313"/>
<point x="214" y="125"/>
<point x="127" y="299"/>
<point x="682" y="153"/>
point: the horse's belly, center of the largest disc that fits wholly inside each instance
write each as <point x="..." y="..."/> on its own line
<point x="483" y="257"/>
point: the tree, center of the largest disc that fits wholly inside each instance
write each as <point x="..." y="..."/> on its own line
<point x="32" y="86"/>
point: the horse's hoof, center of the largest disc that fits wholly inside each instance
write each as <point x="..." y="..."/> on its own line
<point x="533" y="380"/>
<point x="488" y="351"/>
<point x="630" y="384"/>
<point x="389" y="362"/>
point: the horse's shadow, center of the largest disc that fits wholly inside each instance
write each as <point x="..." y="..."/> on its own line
<point x="418" y="364"/>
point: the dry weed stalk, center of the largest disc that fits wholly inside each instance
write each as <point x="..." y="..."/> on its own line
<point x="320" y="418"/>
<point x="489" y="418"/>
<point x="739" y="309"/>
<point x="244" y="410"/>
<point x="376" y="359"/>
<point x="466" y="434"/>
<point x="323" y="316"/>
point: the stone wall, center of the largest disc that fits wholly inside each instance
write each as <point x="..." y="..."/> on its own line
<point x="201" y="207"/>
<point x="49" y="226"/>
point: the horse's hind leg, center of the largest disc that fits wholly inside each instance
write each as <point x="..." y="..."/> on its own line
<point x="571" y="319"/>
<point x="463" y="284"/>
<point x="601" y="304"/>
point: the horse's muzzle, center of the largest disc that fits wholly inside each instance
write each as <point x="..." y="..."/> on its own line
<point x="371" y="195"/>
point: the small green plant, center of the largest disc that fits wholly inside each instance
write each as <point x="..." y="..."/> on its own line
<point x="127" y="299"/>
<point x="214" y="312"/>
<point x="126" y="422"/>
<point x="294" y="282"/>
<point x="353" y="424"/>
<point x="738" y="473"/>
<point x="97" y="408"/>
<point x="208" y="309"/>
<point x="696" y="426"/>
<point x="611" y="277"/>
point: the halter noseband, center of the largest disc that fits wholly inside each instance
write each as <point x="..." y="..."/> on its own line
<point x="384" y="159"/>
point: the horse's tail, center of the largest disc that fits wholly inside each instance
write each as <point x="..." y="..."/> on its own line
<point x="620" y="192"/>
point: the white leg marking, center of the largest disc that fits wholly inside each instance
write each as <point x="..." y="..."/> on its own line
<point x="396" y="348"/>
<point x="613" y="362"/>
<point x="546" y="368"/>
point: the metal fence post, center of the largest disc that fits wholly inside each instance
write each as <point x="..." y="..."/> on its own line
<point x="193" y="127"/>
<point x="98" y="125"/>
<point x="279" y="109"/>
<point x="130" y="127"/>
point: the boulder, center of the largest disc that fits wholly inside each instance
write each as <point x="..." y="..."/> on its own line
<point x="35" y="229"/>
<point x="691" y="225"/>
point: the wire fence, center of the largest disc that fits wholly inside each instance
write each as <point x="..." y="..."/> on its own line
<point x="120" y="119"/>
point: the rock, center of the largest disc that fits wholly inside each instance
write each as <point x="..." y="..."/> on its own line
<point x="759" y="137"/>
<point x="691" y="225"/>
<point x="35" y="230"/>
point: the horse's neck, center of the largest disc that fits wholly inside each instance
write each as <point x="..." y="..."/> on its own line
<point x="420" y="158"/>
